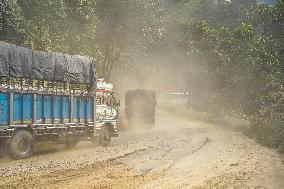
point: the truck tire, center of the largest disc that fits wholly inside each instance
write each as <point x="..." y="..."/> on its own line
<point x="21" y="145"/>
<point x="105" y="137"/>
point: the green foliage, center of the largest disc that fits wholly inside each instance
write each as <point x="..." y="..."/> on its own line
<point x="11" y="26"/>
<point x="281" y="147"/>
<point x="51" y="25"/>
<point x="269" y="132"/>
<point x="237" y="62"/>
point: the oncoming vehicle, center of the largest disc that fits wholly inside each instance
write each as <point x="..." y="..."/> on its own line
<point x="107" y="108"/>
<point x="140" y="107"/>
<point x="45" y="98"/>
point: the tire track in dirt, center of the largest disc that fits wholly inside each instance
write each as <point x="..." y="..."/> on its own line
<point x="107" y="174"/>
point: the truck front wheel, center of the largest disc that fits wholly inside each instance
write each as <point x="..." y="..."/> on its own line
<point x="21" y="145"/>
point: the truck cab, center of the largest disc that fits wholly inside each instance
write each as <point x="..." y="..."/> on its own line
<point x="107" y="111"/>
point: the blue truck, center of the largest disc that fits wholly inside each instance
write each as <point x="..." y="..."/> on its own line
<point x="47" y="98"/>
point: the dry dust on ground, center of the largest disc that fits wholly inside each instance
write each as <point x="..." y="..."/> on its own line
<point x="178" y="153"/>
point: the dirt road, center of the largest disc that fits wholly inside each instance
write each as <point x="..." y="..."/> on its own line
<point x="178" y="153"/>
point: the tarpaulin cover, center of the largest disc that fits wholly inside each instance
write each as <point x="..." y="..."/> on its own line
<point x="4" y="58"/>
<point x="22" y="62"/>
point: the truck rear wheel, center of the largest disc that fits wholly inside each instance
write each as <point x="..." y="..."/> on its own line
<point x="21" y="145"/>
<point x="105" y="137"/>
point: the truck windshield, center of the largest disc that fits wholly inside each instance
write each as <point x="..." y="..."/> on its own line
<point x="105" y="100"/>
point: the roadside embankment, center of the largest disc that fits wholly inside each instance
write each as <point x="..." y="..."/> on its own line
<point x="264" y="135"/>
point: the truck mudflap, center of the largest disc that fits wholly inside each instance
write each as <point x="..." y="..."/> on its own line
<point x="6" y="132"/>
<point x="3" y="148"/>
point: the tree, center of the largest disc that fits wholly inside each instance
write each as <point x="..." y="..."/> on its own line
<point x="11" y="22"/>
<point x="114" y="17"/>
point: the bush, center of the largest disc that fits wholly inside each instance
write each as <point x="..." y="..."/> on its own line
<point x="269" y="132"/>
<point x="281" y="147"/>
